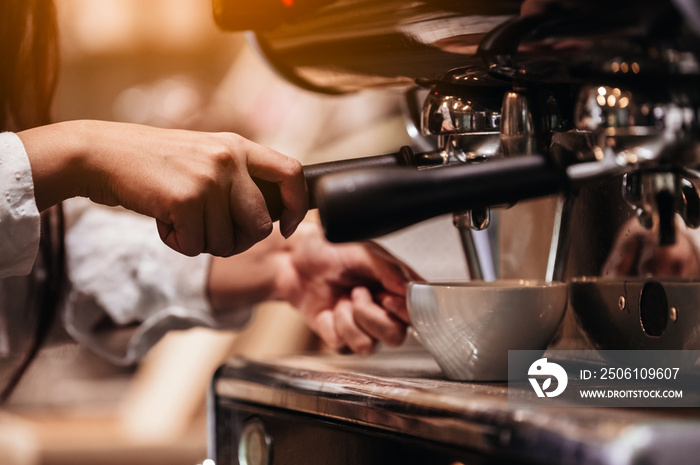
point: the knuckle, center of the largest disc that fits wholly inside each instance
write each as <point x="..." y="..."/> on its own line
<point x="185" y="197"/>
<point x="249" y="237"/>
<point x="232" y="145"/>
<point x="207" y="181"/>
<point x="292" y="168"/>
<point x="263" y="230"/>
<point x="222" y="152"/>
<point x="223" y="158"/>
<point x="185" y="244"/>
<point x="222" y="248"/>
<point x="190" y="251"/>
<point x="233" y="139"/>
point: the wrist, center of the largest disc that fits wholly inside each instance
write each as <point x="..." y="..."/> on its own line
<point x="57" y="157"/>
<point x="89" y="168"/>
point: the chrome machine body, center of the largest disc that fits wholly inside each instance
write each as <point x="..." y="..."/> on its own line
<point x="595" y="104"/>
<point x="595" y="101"/>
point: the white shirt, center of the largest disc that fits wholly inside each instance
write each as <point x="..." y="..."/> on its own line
<point x="19" y="217"/>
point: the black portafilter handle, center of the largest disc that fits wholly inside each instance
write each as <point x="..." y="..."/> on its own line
<point x="312" y="173"/>
<point x="367" y="203"/>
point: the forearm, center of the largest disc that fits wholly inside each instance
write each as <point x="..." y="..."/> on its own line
<point x="56" y="155"/>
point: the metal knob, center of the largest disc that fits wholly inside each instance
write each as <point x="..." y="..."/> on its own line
<point x="255" y="445"/>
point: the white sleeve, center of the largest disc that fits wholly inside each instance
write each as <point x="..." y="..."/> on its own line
<point x="19" y="216"/>
<point x="127" y="288"/>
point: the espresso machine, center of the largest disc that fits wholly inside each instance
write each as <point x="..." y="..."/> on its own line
<point x="592" y="104"/>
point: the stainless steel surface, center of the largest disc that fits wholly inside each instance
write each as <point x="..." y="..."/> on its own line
<point x="469" y="327"/>
<point x="458" y="110"/>
<point x="561" y="240"/>
<point x="648" y="136"/>
<point x="464" y="111"/>
<point x="476" y="243"/>
<point x="638" y="313"/>
<point x="518" y="132"/>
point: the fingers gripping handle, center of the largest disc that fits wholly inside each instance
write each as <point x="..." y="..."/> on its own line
<point x="367" y="203"/>
<point x="312" y="173"/>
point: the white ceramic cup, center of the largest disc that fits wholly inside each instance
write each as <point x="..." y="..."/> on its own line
<point x="469" y="327"/>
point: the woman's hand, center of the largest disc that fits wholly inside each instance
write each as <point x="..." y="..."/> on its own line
<point x="198" y="186"/>
<point x="351" y="295"/>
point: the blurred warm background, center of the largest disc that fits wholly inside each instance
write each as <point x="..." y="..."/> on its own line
<point x="164" y="63"/>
